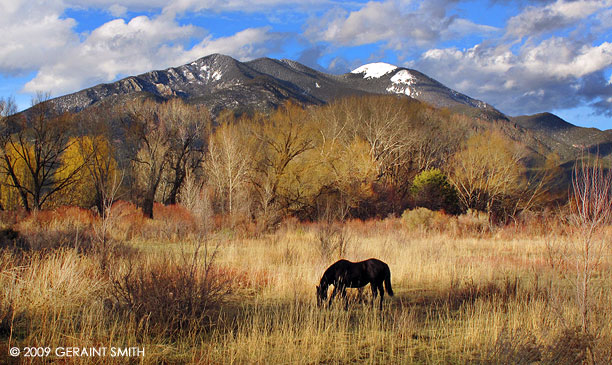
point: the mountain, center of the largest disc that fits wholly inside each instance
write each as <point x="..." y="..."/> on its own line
<point x="221" y="82"/>
<point x="563" y="138"/>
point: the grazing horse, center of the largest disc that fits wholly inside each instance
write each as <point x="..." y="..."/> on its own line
<point x="345" y="274"/>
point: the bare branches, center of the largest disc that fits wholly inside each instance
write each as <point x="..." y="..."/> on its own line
<point x="32" y="155"/>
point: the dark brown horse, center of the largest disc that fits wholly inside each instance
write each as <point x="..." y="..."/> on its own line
<point x="345" y="274"/>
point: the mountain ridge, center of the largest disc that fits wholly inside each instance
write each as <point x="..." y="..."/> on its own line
<point x="221" y="82"/>
<point x="274" y="81"/>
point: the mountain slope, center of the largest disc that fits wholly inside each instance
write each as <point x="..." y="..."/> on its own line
<point x="563" y="138"/>
<point x="221" y="82"/>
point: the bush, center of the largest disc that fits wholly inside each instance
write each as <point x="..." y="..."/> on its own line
<point x="171" y="295"/>
<point x="52" y="229"/>
<point x="425" y="220"/>
<point x="472" y="223"/>
<point x="170" y="222"/>
<point x="127" y="221"/>
<point x="431" y="190"/>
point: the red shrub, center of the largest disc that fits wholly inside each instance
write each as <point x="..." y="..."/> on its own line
<point x="127" y="219"/>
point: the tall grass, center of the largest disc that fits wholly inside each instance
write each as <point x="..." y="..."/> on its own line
<point x="487" y="297"/>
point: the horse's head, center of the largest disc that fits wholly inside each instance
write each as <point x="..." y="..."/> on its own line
<point x="321" y="294"/>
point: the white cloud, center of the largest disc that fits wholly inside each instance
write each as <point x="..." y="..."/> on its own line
<point x="38" y="37"/>
<point x="114" y="49"/>
<point x="554" y="74"/>
<point x="556" y="57"/>
<point x="182" y="6"/>
<point x="393" y="23"/>
<point x="119" y="48"/>
<point x="31" y="32"/>
<point x="244" y="45"/>
<point x="558" y="15"/>
<point x="117" y="10"/>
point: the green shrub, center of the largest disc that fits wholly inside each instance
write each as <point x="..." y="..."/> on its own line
<point x="431" y="190"/>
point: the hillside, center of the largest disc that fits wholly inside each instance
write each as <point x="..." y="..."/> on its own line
<point x="563" y="138"/>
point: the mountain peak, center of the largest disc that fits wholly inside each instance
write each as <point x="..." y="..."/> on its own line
<point x="374" y="70"/>
<point x="221" y="82"/>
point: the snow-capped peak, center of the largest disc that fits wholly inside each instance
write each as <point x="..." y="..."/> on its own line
<point x="403" y="77"/>
<point x="374" y="70"/>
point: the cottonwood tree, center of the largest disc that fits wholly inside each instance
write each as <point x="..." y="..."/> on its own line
<point x="403" y="137"/>
<point x="96" y="179"/>
<point x="278" y="141"/>
<point x="187" y="127"/>
<point x="148" y="131"/>
<point x="227" y="163"/>
<point x="32" y="154"/>
<point x="486" y="170"/>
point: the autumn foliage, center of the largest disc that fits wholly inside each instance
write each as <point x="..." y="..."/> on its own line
<point x="358" y="157"/>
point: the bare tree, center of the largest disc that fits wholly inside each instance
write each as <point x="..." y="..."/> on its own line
<point x="7" y="108"/>
<point x="35" y="145"/>
<point x="186" y="126"/>
<point x="279" y="141"/>
<point x="591" y="204"/>
<point x="195" y="196"/>
<point x="227" y="164"/>
<point x="144" y="125"/>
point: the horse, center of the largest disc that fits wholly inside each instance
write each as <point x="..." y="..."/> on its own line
<point x="345" y="274"/>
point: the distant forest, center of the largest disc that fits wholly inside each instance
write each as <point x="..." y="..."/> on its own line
<point x="357" y="157"/>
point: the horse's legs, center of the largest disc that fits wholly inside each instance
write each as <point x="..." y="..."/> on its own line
<point x="333" y="294"/>
<point x="373" y="287"/>
<point x="343" y="294"/>
<point x="382" y="294"/>
<point x="360" y="294"/>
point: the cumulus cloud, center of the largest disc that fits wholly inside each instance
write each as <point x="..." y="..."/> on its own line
<point x="393" y="23"/>
<point x="39" y="37"/>
<point x="119" y="48"/>
<point x="554" y="74"/>
<point x="182" y="6"/>
<point x="244" y="45"/>
<point x="546" y="72"/>
<point x="561" y="14"/>
<point x="32" y="33"/>
<point x="179" y="6"/>
<point x="116" y="48"/>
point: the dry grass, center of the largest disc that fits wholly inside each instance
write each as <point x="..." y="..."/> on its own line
<point x="489" y="297"/>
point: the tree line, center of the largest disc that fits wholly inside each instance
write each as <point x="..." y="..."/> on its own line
<point x="359" y="157"/>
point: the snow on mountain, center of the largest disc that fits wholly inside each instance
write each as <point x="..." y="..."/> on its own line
<point x="403" y="83"/>
<point x="220" y="82"/>
<point x="374" y="70"/>
<point x="403" y="77"/>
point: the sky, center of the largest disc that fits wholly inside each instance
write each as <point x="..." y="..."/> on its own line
<point x="523" y="57"/>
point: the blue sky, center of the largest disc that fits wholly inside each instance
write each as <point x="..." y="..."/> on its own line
<point x="523" y="57"/>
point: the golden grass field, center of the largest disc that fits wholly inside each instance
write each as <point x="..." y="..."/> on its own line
<point x="460" y="297"/>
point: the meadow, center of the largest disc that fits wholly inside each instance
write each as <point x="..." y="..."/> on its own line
<point x="465" y="292"/>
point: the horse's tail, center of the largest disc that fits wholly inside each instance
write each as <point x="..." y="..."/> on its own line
<point x="388" y="284"/>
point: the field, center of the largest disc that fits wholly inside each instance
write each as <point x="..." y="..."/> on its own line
<point x="464" y="293"/>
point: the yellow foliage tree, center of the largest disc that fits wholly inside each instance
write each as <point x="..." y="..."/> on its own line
<point x="487" y="170"/>
<point x="278" y="143"/>
<point x="95" y="154"/>
<point x="14" y="169"/>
